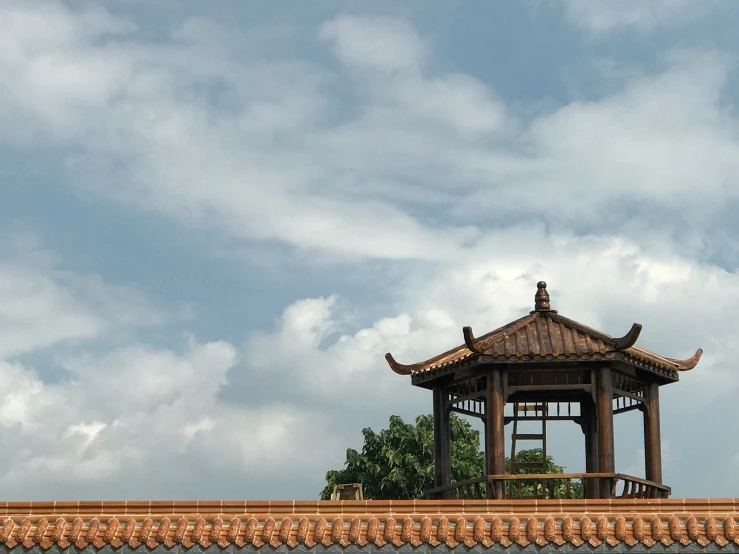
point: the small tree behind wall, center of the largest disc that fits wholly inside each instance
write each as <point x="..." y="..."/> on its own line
<point x="398" y="462"/>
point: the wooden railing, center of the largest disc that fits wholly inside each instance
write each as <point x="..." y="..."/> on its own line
<point x="634" y="487"/>
<point x="549" y="485"/>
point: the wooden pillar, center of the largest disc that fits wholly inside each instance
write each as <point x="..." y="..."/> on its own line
<point x="604" y="408"/>
<point x="495" y="439"/>
<point x="442" y="439"/>
<point x="590" y="428"/>
<point x="652" y="443"/>
<point x="488" y="470"/>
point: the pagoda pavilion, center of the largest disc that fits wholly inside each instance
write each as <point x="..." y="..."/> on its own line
<point x="541" y="365"/>
<point x="545" y="367"/>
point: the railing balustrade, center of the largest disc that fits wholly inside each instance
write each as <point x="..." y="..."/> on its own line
<point x="548" y="485"/>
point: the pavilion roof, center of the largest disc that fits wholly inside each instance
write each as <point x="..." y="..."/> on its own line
<point x="543" y="335"/>
<point x="156" y="526"/>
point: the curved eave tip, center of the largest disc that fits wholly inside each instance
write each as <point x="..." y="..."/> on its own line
<point x="400" y="369"/>
<point x="629" y="339"/>
<point x="470" y="340"/>
<point x="690" y="363"/>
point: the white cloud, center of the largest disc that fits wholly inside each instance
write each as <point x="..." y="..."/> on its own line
<point x="138" y="411"/>
<point x="35" y="311"/>
<point x="113" y="417"/>
<point x="427" y="166"/>
<point x="606" y="15"/>
<point x="87" y="430"/>
<point x="283" y="164"/>
<point x="384" y="44"/>
<point x="187" y="160"/>
<point x="43" y="304"/>
<point x="654" y="140"/>
<point x="132" y="412"/>
<point x="62" y="79"/>
<point x="604" y="282"/>
<point x="112" y="413"/>
<point x="22" y="390"/>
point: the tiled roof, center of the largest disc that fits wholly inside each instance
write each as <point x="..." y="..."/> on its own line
<point x="450" y="522"/>
<point x="546" y="335"/>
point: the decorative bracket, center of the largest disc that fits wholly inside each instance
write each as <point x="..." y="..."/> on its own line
<point x="578" y="420"/>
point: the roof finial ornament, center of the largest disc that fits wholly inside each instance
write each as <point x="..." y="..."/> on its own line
<point x="541" y="298"/>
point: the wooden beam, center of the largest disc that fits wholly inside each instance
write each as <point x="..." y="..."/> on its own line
<point x="474" y="396"/>
<point x="470" y="413"/>
<point x="627" y="394"/>
<point x="574" y="418"/>
<point x="563" y="397"/>
<point x="652" y="441"/>
<point x="495" y="440"/>
<point x="638" y="406"/>
<point x="604" y="409"/>
<point x="547" y="388"/>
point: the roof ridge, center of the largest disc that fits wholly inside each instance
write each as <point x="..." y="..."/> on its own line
<point x="407" y="369"/>
<point x="494" y="336"/>
<point x="559" y="318"/>
<point x="557" y="337"/>
<point x="619" y="344"/>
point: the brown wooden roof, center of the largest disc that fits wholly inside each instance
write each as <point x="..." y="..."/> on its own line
<point x="545" y="335"/>
<point x="101" y="525"/>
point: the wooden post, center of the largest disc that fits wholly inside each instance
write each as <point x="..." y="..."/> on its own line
<point x="590" y="428"/>
<point x="495" y="440"/>
<point x="652" y="443"/>
<point x="604" y="408"/>
<point x="488" y="470"/>
<point x="442" y="439"/>
<point x="447" y="444"/>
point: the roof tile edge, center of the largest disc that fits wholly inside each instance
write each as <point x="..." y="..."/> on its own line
<point x="667" y="521"/>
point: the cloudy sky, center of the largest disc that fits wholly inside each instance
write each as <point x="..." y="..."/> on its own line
<point x="215" y="219"/>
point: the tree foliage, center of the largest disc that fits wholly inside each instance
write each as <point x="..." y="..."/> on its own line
<point x="527" y="488"/>
<point x="398" y="462"/>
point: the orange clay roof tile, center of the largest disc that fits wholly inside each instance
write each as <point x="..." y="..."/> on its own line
<point x="486" y="522"/>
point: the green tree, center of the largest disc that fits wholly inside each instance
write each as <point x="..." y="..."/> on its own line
<point x="527" y="487"/>
<point x="398" y="462"/>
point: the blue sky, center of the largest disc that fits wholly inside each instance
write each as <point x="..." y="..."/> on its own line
<point x="216" y="219"/>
